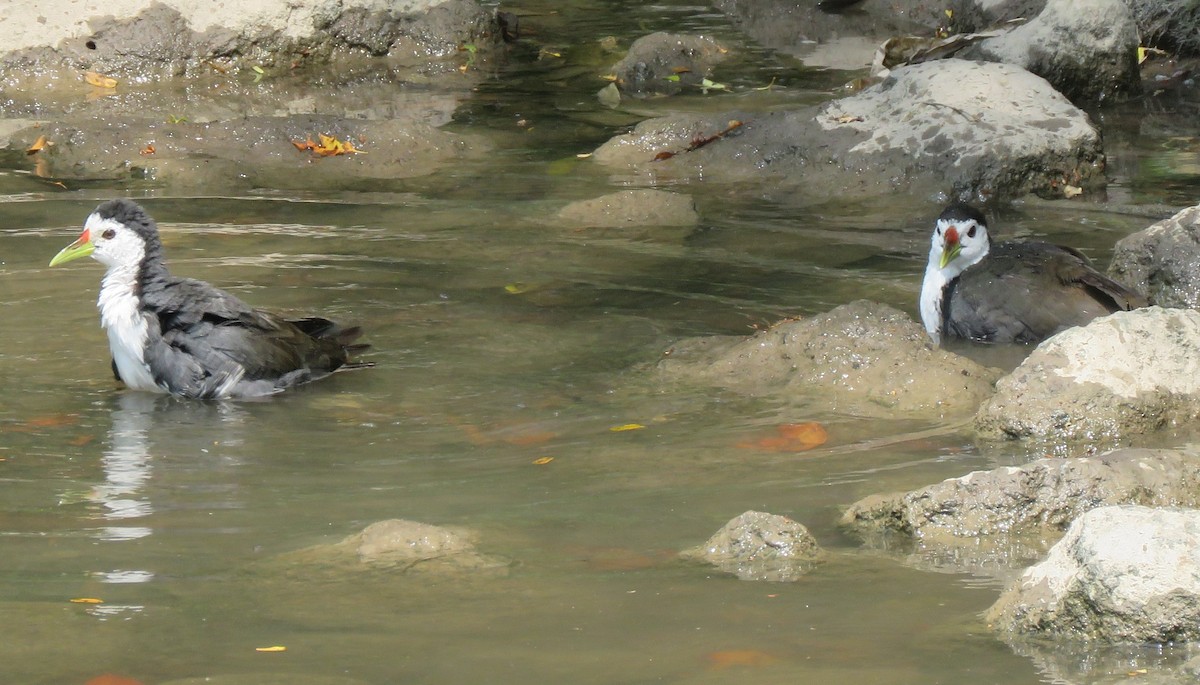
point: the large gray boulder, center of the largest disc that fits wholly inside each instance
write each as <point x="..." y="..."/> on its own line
<point x="666" y="63"/>
<point x="952" y="126"/>
<point x="1163" y="260"/>
<point x="1045" y="494"/>
<point x="865" y="357"/>
<point x="1086" y="48"/>
<point x="1123" y="574"/>
<point x="1121" y="375"/>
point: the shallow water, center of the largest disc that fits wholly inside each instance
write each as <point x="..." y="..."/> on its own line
<point x="173" y="512"/>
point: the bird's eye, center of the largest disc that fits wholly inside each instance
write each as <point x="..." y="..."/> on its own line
<point x="108" y="234"/>
<point x="971" y="231"/>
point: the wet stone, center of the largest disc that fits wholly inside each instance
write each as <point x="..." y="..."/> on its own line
<point x="760" y="546"/>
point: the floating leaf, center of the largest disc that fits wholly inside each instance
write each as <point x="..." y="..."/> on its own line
<point x="542" y="461"/>
<point x="681" y="70"/>
<point x="112" y="679"/>
<point x="627" y="427"/>
<point x="148" y="150"/>
<point x="583" y="155"/>
<point x="519" y="288"/>
<point x="768" y="86"/>
<point x="273" y="648"/>
<point x="258" y="70"/>
<point x="790" y="437"/>
<point x="327" y="147"/>
<point x="99" y="80"/>
<point x="38" y="145"/>
<point x="673" y="78"/>
<point x="87" y="600"/>
<point x="739" y="657"/>
<point x="172" y="119"/>
<point x="707" y="85"/>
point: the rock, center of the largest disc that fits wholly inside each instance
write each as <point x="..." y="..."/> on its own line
<point x="1169" y="24"/>
<point x="171" y="37"/>
<point x="249" y="151"/>
<point x="1121" y="375"/>
<point x="1163" y="260"/>
<point x="632" y="208"/>
<point x="399" y="546"/>
<point x="830" y="39"/>
<point x="865" y="357"/>
<point x="666" y="63"/>
<point x="1123" y="574"/>
<point x="1043" y="494"/>
<point x="1086" y="49"/>
<point x="760" y="546"/>
<point x="951" y="126"/>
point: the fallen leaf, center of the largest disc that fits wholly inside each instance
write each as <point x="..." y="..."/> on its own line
<point x="542" y="461"/>
<point x="680" y="70"/>
<point x="665" y="154"/>
<point x="99" y="80"/>
<point x="87" y="600"/>
<point x="327" y="146"/>
<point x="790" y="437"/>
<point x="609" y="77"/>
<point x="739" y="657"/>
<point x="583" y="155"/>
<point x="37" y="146"/>
<point x="148" y="150"/>
<point x="847" y="118"/>
<point x="112" y="679"/>
<point x="1072" y="191"/>
<point x="273" y="648"/>
<point x="627" y="427"/>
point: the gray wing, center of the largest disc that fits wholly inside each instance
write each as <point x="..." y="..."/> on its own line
<point x="211" y="344"/>
<point x="1027" y="292"/>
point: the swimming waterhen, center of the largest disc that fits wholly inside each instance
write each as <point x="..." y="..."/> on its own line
<point x="1009" y="292"/>
<point x="186" y="337"/>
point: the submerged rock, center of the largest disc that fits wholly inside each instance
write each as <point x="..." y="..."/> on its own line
<point x="1123" y="374"/>
<point x="666" y="63"/>
<point x="1043" y="494"/>
<point x="632" y="208"/>
<point x="1163" y="260"/>
<point x="760" y="546"/>
<point x="400" y="546"/>
<point x="865" y="357"/>
<point x="952" y="126"/>
<point x="1120" y="574"/>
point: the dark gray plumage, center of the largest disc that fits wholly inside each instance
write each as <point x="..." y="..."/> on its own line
<point x="186" y="337"/>
<point x="1010" y="292"/>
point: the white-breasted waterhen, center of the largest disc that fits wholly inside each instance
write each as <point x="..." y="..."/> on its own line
<point x="187" y="338"/>
<point x="1009" y="292"/>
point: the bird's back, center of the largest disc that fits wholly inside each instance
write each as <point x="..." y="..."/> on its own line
<point x="1027" y="292"/>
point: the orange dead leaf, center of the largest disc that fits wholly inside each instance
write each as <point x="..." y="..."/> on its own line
<point x="99" y="80"/>
<point x="542" y="461"/>
<point x="627" y="427"/>
<point x="665" y="154"/>
<point x="273" y="648"/>
<point x="148" y="150"/>
<point x="680" y="70"/>
<point x="327" y="147"/>
<point x="790" y="437"/>
<point x="37" y="146"/>
<point x="112" y="679"/>
<point x="739" y="657"/>
<point x="87" y="600"/>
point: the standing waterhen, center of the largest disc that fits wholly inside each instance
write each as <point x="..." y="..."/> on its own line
<point x="1009" y="292"/>
<point x="187" y="338"/>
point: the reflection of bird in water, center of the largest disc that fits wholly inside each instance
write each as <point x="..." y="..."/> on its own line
<point x="129" y="460"/>
<point x="1009" y="292"/>
<point x="186" y="337"/>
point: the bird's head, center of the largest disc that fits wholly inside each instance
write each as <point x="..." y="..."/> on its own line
<point x="960" y="239"/>
<point x="117" y="234"/>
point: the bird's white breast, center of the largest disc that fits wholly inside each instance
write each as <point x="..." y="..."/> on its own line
<point x="126" y="327"/>
<point x="933" y="289"/>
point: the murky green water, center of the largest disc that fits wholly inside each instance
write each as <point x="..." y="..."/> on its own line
<point x="173" y="512"/>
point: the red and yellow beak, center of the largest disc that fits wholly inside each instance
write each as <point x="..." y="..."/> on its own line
<point x="950" y="249"/>
<point x="80" y="248"/>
